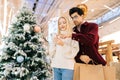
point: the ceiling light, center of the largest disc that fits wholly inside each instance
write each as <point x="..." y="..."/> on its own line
<point x="84" y="1"/>
<point x="108" y="7"/>
<point x="92" y="10"/>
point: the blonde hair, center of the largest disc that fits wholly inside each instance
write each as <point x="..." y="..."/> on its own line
<point x="69" y="28"/>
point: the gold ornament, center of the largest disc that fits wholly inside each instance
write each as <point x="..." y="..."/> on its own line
<point x="37" y="29"/>
<point x="84" y="8"/>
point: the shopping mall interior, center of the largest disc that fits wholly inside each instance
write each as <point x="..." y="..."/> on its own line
<point x="106" y="13"/>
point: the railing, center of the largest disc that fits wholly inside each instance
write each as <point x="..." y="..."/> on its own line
<point x="108" y="48"/>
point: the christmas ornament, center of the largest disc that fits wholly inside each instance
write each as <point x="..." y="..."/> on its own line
<point x="37" y="29"/>
<point x="20" y="59"/>
<point x="26" y="27"/>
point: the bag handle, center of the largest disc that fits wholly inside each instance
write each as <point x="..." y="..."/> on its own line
<point x="94" y="62"/>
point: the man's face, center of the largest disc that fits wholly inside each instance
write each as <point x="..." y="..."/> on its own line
<point x="77" y="19"/>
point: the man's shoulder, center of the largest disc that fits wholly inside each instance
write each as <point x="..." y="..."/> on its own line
<point x="92" y="23"/>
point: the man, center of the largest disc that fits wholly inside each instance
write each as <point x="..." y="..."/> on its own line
<point x="87" y="36"/>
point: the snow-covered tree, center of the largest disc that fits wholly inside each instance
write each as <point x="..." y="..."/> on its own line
<point x="23" y="54"/>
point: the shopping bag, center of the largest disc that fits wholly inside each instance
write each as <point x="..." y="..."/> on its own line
<point x="117" y="68"/>
<point x="76" y="75"/>
<point x="109" y="72"/>
<point x="88" y="72"/>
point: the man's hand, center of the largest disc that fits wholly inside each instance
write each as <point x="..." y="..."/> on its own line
<point x="86" y="59"/>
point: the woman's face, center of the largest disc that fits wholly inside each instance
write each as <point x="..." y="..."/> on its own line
<point x="62" y="24"/>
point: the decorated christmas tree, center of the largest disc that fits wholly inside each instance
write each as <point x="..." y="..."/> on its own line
<point x="24" y="55"/>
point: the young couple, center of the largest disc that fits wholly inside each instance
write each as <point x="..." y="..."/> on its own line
<point x="65" y="54"/>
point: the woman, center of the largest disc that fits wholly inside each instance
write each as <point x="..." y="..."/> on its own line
<point x="63" y="51"/>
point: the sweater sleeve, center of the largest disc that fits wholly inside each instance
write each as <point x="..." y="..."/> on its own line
<point x="71" y="48"/>
<point x="88" y="38"/>
<point x="52" y="48"/>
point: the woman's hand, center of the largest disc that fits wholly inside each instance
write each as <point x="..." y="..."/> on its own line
<point x="58" y="41"/>
<point x="86" y="59"/>
<point x="63" y="36"/>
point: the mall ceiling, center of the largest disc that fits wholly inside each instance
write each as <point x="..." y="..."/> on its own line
<point x="47" y="9"/>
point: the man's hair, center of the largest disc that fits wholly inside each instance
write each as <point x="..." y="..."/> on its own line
<point x="76" y="9"/>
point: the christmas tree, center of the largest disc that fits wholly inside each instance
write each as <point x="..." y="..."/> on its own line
<point x="24" y="55"/>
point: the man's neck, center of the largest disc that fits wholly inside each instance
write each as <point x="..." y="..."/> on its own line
<point x="79" y="26"/>
<point x="80" y="23"/>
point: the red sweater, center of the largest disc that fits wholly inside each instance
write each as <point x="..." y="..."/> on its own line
<point x="88" y="42"/>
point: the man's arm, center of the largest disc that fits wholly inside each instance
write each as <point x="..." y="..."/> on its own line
<point x="89" y="37"/>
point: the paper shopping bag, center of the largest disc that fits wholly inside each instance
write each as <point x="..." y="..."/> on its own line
<point x="117" y="68"/>
<point x="76" y="71"/>
<point x="109" y="72"/>
<point x="88" y="72"/>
